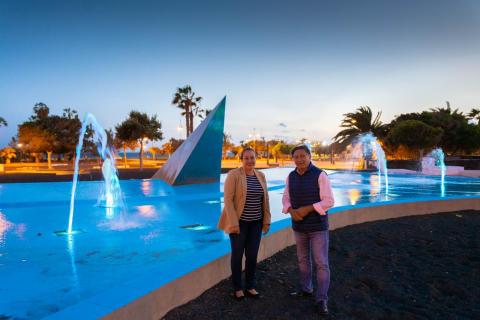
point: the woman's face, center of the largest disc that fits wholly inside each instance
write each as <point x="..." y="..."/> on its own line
<point x="248" y="160"/>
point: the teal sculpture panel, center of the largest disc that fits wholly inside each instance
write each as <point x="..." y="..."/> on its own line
<point x="199" y="158"/>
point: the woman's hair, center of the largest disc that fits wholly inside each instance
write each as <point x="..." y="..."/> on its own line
<point x="245" y="150"/>
<point x="301" y="147"/>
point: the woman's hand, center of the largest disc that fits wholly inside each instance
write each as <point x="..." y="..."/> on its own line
<point x="265" y="228"/>
<point x="234" y="229"/>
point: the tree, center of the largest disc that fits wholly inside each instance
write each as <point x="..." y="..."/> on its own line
<point x="280" y="150"/>
<point x="123" y="139"/>
<point x="40" y="112"/>
<point x="414" y="135"/>
<point x="458" y="135"/>
<point x="227" y="144"/>
<point x="3" y="122"/>
<point x="8" y="154"/>
<point x="48" y="133"/>
<point x="474" y="114"/>
<point x="66" y="129"/>
<point x="140" y="127"/>
<point x="154" y="151"/>
<point x="321" y="149"/>
<point x="185" y="99"/>
<point x="201" y="113"/>
<point x="357" y="123"/>
<point x="171" y="146"/>
<point x="35" y="139"/>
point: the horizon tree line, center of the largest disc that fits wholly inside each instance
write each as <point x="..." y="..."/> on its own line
<point x="416" y="133"/>
<point x="407" y="135"/>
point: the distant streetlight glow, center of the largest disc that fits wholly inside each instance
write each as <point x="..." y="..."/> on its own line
<point x="254" y="136"/>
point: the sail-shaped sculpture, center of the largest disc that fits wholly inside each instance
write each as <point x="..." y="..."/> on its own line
<point x="199" y="158"/>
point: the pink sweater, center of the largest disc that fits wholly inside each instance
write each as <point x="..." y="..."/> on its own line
<point x="326" y="196"/>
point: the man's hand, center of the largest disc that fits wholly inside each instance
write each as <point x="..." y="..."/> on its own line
<point x="303" y="211"/>
<point x="295" y="214"/>
<point x="266" y="228"/>
<point x="234" y="229"/>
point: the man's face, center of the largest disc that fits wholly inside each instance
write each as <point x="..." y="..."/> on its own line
<point x="301" y="159"/>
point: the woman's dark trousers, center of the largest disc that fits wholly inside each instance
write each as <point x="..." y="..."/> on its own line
<point x="247" y="242"/>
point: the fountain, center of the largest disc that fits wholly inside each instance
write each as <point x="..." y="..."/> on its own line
<point x="167" y="230"/>
<point x="111" y="194"/>
<point x="367" y="148"/>
<point x="434" y="162"/>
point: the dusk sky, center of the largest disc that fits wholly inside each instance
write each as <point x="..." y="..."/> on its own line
<point x="289" y="69"/>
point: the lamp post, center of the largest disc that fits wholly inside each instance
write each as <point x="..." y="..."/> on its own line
<point x="20" y="145"/>
<point x="180" y="129"/>
<point x="254" y="136"/>
<point x="268" y="152"/>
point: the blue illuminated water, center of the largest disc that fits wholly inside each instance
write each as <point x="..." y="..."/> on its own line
<point x="164" y="233"/>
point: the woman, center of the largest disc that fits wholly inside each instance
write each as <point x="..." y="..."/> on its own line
<point x="245" y="215"/>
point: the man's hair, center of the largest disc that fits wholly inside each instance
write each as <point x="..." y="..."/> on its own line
<point x="245" y="150"/>
<point x="301" y="147"/>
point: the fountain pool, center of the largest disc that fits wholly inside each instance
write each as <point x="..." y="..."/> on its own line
<point x="163" y="233"/>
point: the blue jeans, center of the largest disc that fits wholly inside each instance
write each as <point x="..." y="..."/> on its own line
<point x="248" y="242"/>
<point x="313" y="244"/>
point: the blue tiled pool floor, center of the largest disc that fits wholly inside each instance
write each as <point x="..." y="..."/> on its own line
<point x="121" y="256"/>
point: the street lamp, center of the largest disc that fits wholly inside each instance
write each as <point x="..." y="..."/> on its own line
<point x="20" y="145"/>
<point x="180" y="129"/>
<point x="254" y="136"/>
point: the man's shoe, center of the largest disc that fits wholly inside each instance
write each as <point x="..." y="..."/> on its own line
<point x="255" y="295"/>
<point x="301" y="294"/>
<point x="322" y="308"/>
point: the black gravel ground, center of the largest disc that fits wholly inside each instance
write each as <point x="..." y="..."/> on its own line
<point x="425" y="267"/>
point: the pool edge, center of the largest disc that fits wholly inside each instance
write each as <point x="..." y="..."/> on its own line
<point x="158" y="303"/>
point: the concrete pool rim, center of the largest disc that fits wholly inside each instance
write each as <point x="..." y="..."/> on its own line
<point x="131" y="302"/>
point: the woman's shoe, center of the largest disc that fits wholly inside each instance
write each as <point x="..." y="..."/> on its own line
<point x="238" y="295"/>
<point x="253" y="294"/>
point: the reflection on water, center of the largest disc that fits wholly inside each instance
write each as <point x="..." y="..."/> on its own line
<point x="62" y="273"/>
<point x="5" y="225"/>
<point x="109" y="212"/>
<point x="354" y="195"/>
<point x="120" y="224"/>
<point x="150" y="235"/>
<point x="146" y="187"/>
<point x="196" y="227"/>
<point x="147" y="211"/>
<point x="138" y="218"/>
<point x="374" y="185"/>
<point x="213" y="201"/>
<point x="71" y="253"/>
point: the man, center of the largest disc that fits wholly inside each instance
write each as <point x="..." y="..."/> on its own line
<point x="307" y="198"/>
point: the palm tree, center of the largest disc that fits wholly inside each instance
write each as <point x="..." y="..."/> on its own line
<point x="185" y="99"/>
<point x="3" y="122"/>
<point x="474" y="115"/>
<point x="357" y="123"/>
<point x="448" y="110"/>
